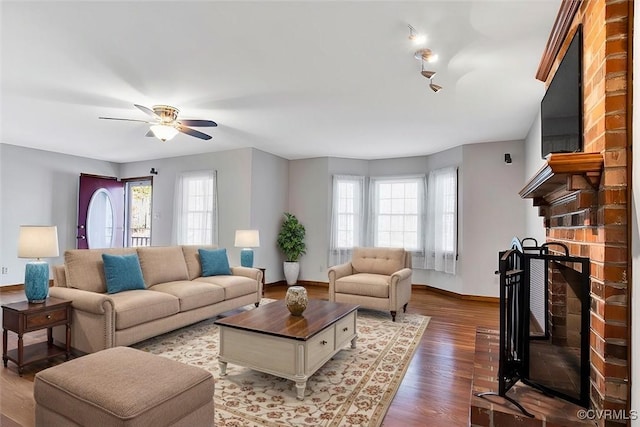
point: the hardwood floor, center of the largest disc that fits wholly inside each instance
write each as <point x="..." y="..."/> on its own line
<point x="435" y="391"/>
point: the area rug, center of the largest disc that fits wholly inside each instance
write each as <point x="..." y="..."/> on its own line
<point x="354" y="388"/>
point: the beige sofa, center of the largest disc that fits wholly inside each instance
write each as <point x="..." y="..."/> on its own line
<point x="176" y="295"/>
<point x="376" y="278"/>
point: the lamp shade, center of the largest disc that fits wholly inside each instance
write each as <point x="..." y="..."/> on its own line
<point x="247" y="239"/>
<point x="36" y="241"/>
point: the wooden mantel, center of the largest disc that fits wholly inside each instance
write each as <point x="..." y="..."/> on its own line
<point x="563" y="174"/>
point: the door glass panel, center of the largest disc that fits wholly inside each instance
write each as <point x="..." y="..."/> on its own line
<point x="138" y="219"/>
<point x="100" y="218"/>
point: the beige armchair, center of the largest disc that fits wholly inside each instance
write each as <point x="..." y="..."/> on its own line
<point x="376" y="278"/>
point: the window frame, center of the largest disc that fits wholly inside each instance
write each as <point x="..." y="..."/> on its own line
<point x="420" y="204"/>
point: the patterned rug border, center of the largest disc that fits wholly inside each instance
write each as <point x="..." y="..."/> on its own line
<point x="356" y="407"/>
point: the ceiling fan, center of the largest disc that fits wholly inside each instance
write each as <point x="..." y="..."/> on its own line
<point x="165" y="124"/>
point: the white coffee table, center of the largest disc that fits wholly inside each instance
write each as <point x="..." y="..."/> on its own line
<point x="269" y="339"/>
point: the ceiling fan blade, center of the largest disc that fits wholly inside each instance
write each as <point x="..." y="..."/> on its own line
<point x="193" y="132"/>
<point x="126" y="120"/>
<point x="150" y="133"/>
<point x="147" y="111"/>
<point x="198" y="123"/>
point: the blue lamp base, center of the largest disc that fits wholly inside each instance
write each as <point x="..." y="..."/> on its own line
<point x="246" y="257"/>
<point x="36" y="281"/>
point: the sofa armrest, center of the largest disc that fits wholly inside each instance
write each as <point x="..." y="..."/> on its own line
<point x="252" y="273"/>
<point x="401" y="275"/>
<point x="93" y="320"/>
<point x="91" y="302"/>
<point x="336" y="272"/>
<point x="400" y="292"/>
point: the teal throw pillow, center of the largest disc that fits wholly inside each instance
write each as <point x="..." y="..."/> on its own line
<point x="214" y="262"/>
<point x="122" y="272"/>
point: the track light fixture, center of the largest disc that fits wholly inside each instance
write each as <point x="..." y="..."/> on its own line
<point x="415" y="36"/>
<point x="429" y="75"/>
<point x="434" y="87"/>
<point x="426" y="55"/>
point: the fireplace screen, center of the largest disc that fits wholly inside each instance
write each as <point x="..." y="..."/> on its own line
<point x="558" y="359"/>
<point x="544" y="321"/>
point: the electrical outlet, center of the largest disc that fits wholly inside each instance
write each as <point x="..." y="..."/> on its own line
<point x="5" y="270"/>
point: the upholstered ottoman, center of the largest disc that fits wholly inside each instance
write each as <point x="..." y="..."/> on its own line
<point x="122" y="386"/>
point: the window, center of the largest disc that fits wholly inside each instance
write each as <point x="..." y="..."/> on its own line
<point x="348" y="211"/>
<point x="196" y="208"/>
<point x="397" y="212"/>
<point x="442" y="220"/>
<point x="347" y="222"/>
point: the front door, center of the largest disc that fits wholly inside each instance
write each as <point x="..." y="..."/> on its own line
<point x="100" y="212"/>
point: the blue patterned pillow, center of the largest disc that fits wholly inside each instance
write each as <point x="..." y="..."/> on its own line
<point x="214" y="262"/>
<point x="122" y="272"/>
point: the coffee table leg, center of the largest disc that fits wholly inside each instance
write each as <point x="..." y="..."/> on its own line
<point x="223" y="368"/>
<point x="300" y="388"/>
<point x="353" y="341"/>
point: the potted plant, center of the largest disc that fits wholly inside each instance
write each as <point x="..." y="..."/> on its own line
<point x="291" y="243"/>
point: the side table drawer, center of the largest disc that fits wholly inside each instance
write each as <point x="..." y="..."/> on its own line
<point x="41" y="320"/>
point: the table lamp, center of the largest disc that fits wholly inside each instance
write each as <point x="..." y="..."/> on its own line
<point x="37" y="242"/>
<point x="247" y="239"/>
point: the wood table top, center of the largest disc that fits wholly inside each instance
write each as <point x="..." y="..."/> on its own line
<point x="48" y="303"/>
<point x="275" y="319"/>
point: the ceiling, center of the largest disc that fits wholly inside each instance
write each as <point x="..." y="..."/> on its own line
<point x="298" y="79"/>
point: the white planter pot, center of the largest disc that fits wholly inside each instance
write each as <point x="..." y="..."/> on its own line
<point x="291" y="272"/>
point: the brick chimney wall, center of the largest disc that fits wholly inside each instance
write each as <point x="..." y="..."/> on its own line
<point x="593" y="222"/>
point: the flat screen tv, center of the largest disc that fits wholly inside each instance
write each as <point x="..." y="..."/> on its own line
<point x="561" y="108"/>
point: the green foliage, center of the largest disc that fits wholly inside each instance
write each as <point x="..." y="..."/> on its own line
<point x="291" y="238"/>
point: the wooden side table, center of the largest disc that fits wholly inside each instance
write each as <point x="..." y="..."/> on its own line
<point x="23" y="317"/>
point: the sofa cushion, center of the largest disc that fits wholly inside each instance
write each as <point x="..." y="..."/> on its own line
<point x="365" y="284"/>
<point x="234" y="286"/>
<point x="84" y="268"/>
<point x="192" y="294"/>
<point x="162" y="264"/>
<point x="136" y="307"/>
<point x="378" y="260"/>
<point x="122" y="273"/>
<point x="214" y="262"/>
<point x="192" y="258"/>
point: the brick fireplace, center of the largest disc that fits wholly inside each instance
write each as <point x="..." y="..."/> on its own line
<point x="584" y="197"/>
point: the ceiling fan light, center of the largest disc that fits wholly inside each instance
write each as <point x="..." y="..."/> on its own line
<point x="164" y="132"/>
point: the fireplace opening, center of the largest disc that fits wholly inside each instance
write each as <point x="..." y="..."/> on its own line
<point x="558" y="360"/>
<point x="544" y="321"/>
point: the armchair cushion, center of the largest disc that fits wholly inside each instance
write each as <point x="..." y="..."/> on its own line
<point x="365" y="284"/>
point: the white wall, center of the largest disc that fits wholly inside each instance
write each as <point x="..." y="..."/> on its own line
<point x="234" y="193"/>
<point x="533" y="163"/>
<point x="40" y="188"/>
<point x="635" y="236"/>
<point x="269" y="201"/>
<point x="492" y="213"/>
<point x="309" y="184"/>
